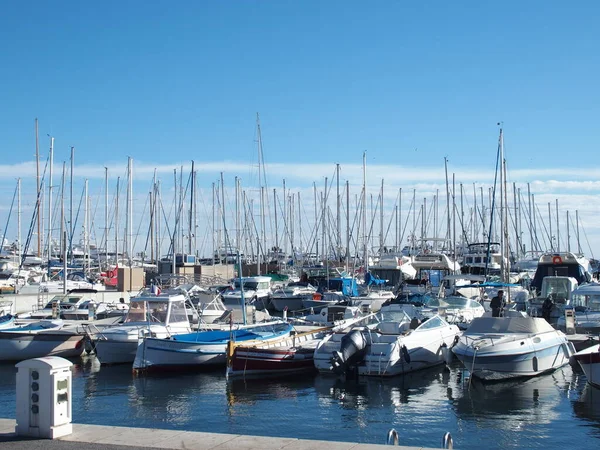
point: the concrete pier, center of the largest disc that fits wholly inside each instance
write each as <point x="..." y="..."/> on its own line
<point x="97" y="437"/>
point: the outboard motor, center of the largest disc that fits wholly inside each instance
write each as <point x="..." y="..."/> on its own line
<point x="353" y="348"/>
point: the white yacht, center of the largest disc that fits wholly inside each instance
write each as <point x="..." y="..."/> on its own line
<point x="256" y="291"/>
<point x="498" y="348"/>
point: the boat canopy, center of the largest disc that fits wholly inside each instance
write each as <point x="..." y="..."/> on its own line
<point x="503" y="325"/>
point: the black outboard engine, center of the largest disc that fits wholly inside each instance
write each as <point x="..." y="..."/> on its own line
<point x="353" y="348"/>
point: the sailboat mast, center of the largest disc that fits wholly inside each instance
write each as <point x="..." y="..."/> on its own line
<point x="557" y="229"/>
<point x="19" y="223"/>
<point x="364" y="215"/>
<point x="338" y="224"/>
<point x="191" y="212"/>
<point x="106" y="216"/>
<point x="237" y="214"/>
<point x="63" y="231"/>
<point x="50" y="187"/>
<point x="117" y="222"/>
<point x="71" y="230"/>
<point x="130" y="210"/>
<point x="577" y="234"/>
<point x="568" y="234"/>
<point x="347" y="225"/>
<point x="86" y="231"/>
<point x="38" y="205"/>
<point x="299" y="230"/>
<point x="381" y="243"/>
<point x="276" y="224"/>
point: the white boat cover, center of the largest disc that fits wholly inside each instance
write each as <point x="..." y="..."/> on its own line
<point x="503" y="325"/>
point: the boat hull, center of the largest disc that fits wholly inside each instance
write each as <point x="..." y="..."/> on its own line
<point x="589" y="360"/>
<point x="167" y="354"/>
<point x="15" y="346"/>
<point x="514" y="361"/>
<point x="408" y="353"/>
<point x="280" y="361"/>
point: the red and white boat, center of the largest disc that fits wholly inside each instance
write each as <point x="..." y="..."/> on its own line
<point x="589" y="360"/>
<point x="287" y="355"/>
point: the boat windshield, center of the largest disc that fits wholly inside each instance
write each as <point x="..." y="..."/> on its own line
<point x="178" y="312"/>
<point x="451" y="302"/>
<point x="394" y="316"/>
<point x="147" y="311"/>
<point x="69" y="301"/>
<point x="434" y="322"/>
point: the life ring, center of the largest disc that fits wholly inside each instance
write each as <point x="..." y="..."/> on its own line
<point x="317" y="296"/>
<point x="556" y="260"/>
<point x="110" y="274"/>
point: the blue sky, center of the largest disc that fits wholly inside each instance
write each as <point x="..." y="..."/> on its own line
<point x="411" y="83"/>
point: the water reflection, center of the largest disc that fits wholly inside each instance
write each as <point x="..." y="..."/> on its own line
<point x="550" y="411"/>
<point x="587" y="406"/>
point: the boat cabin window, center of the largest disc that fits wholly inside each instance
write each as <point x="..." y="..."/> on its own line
<point x="178" y="312"/>
<point x="556" y="289"/>
<point x="70" y="300"/>
<point x="137" y="312"/>
<point x="589" y="302"/>
<point x="248" y="285"/>
<point x="147" y="312"/>
<point x="434" y="322"/>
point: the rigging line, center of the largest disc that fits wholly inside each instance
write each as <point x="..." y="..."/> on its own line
<point x="146" y="204"/>
<point x="586" y="240"/>
<point x="410" y="208"/>
<point x="34" y="214"/>
<point x="76" y="220"/>
<point x="10" y="213"/>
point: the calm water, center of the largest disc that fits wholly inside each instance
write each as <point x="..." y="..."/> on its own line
<point x="554" y="411"/>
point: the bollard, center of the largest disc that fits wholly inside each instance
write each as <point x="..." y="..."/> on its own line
<point x="392" y="437"/>
<point x="447" y="441"/>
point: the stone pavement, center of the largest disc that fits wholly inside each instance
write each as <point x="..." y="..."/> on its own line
<point x="97" y="437"/>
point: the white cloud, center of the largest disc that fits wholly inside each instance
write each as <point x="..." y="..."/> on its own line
<point x="574" y="189"/>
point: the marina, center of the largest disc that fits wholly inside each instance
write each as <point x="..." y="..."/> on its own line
<point x="551" y="411"/>
<point x="300" y="225"/>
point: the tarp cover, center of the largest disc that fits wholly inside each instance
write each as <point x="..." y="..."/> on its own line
<point x="502" y="325"/>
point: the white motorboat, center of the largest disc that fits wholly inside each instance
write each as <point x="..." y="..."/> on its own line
<point x="38" y="339"/>
<point x="292" y="296"/>
<point x="374" y="299"/>
<point x="497" y="348"/>
<point x="395" y="350"/>
<point x="336" y="353"/>
<point x="256" y="291"/>
<point x="589" y="360"/>
<point x="149" y="315"/>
